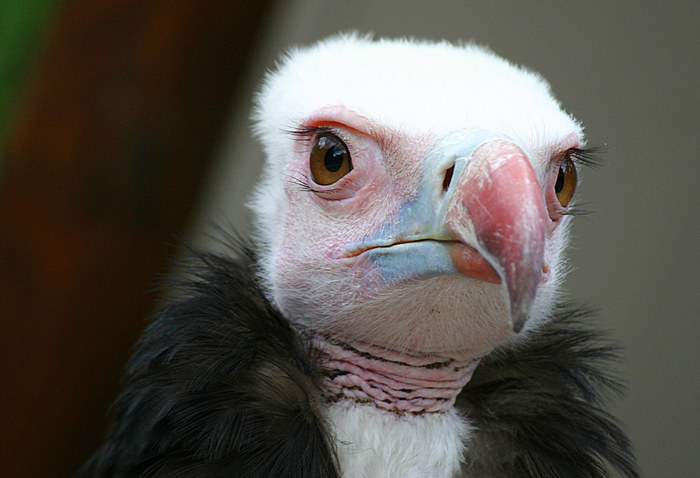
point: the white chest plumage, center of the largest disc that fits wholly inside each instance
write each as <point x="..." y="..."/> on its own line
<point x="373" y="443"/>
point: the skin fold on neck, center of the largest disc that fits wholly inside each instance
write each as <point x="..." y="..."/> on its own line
<point x="392" y="381"/>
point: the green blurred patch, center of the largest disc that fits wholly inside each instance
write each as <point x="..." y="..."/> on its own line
<point x="23" y="25"/>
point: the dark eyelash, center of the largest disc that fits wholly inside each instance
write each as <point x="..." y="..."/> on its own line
<point x="304" y="186"/>
<point x="300" y="184"/>
<point x="306" y="132"/>
<point x="589" y="157"/>
<point x="576" y="211"/>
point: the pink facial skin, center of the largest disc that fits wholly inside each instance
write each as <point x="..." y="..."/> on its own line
<point x="469" y="262"/>
<point x="322" y="263"/>
<point x="359" y="204"/>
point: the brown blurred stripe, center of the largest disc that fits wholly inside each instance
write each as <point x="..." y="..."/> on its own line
<point x="101" y="171"/>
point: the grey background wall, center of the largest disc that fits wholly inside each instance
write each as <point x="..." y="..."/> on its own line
<point x="629" y="71"/>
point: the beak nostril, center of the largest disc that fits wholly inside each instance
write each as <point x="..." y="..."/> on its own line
<point x="448" y="178"/>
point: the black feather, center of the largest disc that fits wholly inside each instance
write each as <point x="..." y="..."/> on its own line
<point x="540" y="409"/>
<point x="221" y="386"/>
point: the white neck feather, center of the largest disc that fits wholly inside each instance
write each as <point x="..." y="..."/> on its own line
<point x="374" y="443"/>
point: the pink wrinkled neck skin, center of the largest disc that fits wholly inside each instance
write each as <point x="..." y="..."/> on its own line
<point x="392" y="381"/>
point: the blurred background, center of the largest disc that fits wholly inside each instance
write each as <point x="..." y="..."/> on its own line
<point x="124" y="128"/>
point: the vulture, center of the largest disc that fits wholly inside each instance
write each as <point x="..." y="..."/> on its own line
<point x="397" y="311"/>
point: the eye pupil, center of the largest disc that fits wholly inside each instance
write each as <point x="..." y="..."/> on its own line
<point x="334" y="158"/>
<point x="559" y="186"/>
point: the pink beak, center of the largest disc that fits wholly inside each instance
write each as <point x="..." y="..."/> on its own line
<point x="499" y="200"/>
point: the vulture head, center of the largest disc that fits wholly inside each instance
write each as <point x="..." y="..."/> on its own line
<point x="413" y="205"/>
<point x="399" y="316"/>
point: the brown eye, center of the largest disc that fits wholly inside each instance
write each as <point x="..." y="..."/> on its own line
<point x="329" y="160"/>
<point x="566" y="181"/>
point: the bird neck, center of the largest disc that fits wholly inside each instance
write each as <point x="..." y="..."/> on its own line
<point x="390" y="380"/>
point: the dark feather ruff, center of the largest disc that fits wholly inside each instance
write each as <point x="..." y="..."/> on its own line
<point x="540" y="408"/>
<point x="221" y="386"/>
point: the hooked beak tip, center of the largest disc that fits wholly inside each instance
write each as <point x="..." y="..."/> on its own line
<point x="521" y="291"/>
<point x="518" y="321"/>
